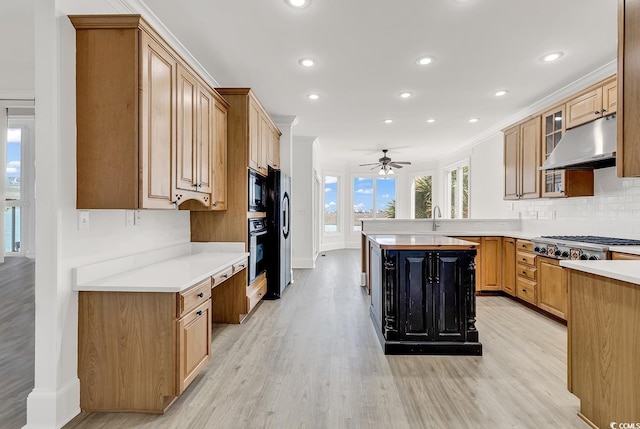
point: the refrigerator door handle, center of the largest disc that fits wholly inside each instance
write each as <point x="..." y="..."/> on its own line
<point x="286" y="213"/>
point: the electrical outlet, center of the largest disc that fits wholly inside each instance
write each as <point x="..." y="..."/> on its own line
<point x="137" y="218"/>
<point x="129" y="217"/>
<point x="83" y="220"/>
<point x="509" y="206"/>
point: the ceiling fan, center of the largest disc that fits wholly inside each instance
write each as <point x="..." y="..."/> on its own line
<point x="385" y="164"/>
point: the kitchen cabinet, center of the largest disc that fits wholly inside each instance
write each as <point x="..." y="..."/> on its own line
<point x="423" y="301"/>
<point x="509" y="265"/>
<point x="561" y="183"/>
<point x="144" y="118"/>
<point x="262" y="136"/>
<point x="619" y="256"/>
<point x="273" y="153"/>
<point x="526" y="281"/>
<point x="592" y="104"/>
<point x="628" y="153"/>
<point x="521" y="160"/>
<point x="488" y="262"/>
<point x="138" y="351"/>
<point x="552" y="287"/>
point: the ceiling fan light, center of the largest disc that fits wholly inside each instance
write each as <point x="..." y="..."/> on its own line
<point x="381" y="172"/>
<point x="390" y="171"/>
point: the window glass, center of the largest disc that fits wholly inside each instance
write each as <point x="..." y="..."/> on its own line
<point x="453" y="183"/>
<point x="465" y="192"/>
<point x="386" y="197"/>
<point x="458" y="192"/>
<point x="330" y="204"/>
<point x="422" y="197"/>
<point x="362" y="200"/>
<point x="14" y="158"/>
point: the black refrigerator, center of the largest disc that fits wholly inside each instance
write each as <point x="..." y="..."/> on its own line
<point x="279" y="231"/>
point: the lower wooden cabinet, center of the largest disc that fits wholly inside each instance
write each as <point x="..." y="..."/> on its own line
<point x="488" y="263"/>
<point x="138" y="351"/>
<point x="509" y="265"/>
<point x="256" y="291"/>
<point x="526" y="272"/>
<point x="624" y="256"/>
<point x="552" y="285"/>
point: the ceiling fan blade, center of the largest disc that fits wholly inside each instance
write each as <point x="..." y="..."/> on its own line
<point x="402" y="162"/>
<point x="394" y="165"/>
<point x="373" y="163"/>
<point x="373" y="168"/>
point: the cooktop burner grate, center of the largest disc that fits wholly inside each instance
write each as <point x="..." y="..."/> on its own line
<point x="607" y="241"/>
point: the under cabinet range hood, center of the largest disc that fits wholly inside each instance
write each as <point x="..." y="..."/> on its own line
<point x="589" y="146"/>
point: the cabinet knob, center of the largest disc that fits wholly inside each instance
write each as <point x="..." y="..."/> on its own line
<point x="215" y="204"/>
<point x="224" y="276"/>
<point x="524" y="272"/>
<point x="199" y="312"/>
<point x="597" y="112"/>
<point x="604" y="110"/>
<point x="201" y="295"/>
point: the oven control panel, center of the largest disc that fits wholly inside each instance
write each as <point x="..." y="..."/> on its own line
<point x="559" y="251"/>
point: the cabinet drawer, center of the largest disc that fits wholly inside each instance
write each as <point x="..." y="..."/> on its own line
<point x="222" y="276"/>
<point x="526" y="289"/>
<point x="239" y="266"/>
<point x="526" y="258"/>
<point x="624" y="256"/>
<point x="194" y="296"/>
<point x="526" y="271"/>
<point x="524" y="245"/>
<point x="255" y="292"/>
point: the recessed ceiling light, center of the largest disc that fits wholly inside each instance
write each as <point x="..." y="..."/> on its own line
<point x="423" y="61"/>
<point x="552" y="56"/>
<point x="388" y="121"/>
<point x="405" y="94"/>
<point x="430" y="121"/>
<point x="501" y="93"/>
<point x="313" y="96"/>
<point x="298" y="3"/>
<point x="474" y="120"/>
<point x="307" y="62"/>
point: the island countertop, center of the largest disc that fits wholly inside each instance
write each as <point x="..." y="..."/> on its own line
<point x="419" y="241"/>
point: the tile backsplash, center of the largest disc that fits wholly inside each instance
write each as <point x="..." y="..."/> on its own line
<point x="613" y="210"/>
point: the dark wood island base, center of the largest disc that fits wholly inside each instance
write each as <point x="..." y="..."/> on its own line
<point x="423" y="295"/>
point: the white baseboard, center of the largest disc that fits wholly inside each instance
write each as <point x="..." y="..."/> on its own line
<point x="47" y="409"/>
<point x="303" y="263"/>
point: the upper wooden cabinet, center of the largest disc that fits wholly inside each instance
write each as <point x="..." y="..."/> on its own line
<point x="145" y="120"/>
<point x="628" y="153"/>
<point x="262" y="132"/>
<point x="521" y="160"/>
<point x="593" y="104"/>
<point x="561" y="183"/>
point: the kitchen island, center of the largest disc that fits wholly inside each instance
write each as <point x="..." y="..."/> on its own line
<point x="423" y="294"/>
<point x="603" y="347"/>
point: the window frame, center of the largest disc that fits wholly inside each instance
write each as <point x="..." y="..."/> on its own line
<point x="338" y="202"/>
<point x="374" y="201"/>
<point x="457" y="166"/>
<point x="412" y="190"/>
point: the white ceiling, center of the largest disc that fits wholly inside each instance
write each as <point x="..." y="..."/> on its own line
<point x="366" y="52"/>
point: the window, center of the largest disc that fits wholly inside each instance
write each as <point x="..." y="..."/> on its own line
<point x="422" y="196"/>
<point x="458" y="190"/>
<point x="373" y="198"/>
<point x="13" y="191"/>
<point x="331" y="186"/>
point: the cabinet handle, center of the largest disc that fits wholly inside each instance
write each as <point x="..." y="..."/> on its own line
<point x="199" y="312"/>
<point x="224" y="276"/>
<point x="215" y="204"/>
<point x="524" y="290"/>
<point x="201" y="295"/>
<point x="524" y="272"/>
<point x="604" y="110"/>
<point x="524" y="259"/>
<point x="597" y="112"/>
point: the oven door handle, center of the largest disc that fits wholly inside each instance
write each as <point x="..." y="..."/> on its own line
<point x="259" y="233"/>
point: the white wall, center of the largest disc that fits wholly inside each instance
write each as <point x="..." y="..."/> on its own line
<point x="302" y="226"/>
<point x="60" y="246"/>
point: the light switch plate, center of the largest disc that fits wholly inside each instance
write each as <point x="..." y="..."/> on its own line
<point x="138" y="218"/>
<point x="509" y="205"/>
<point x="83" y="220"/>
<point x="129" y="217"/>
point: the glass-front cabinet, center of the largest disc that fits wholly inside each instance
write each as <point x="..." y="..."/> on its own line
<point x="561" y="183"/>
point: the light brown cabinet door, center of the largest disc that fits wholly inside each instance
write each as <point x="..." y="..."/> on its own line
<point x="610" y="98"/>
<point x="511" y="164"/>
<point x="157" y="141"/>
<point x="194" y="344"/>
<point x="509" y="265"/>
<point x="219" y="160"/>
<point x="491" y="263"/>
<point x="265" y="142"/>
<point x="585" y="108"/>
<point x="205" y="139"/>
<point x="624" y="256"/>
<point x="552" y="285"/>
<point x="186" y="127"/>
<point x="530" y="158"/>
<point x="254" y="136"/>
<point x="273" y="151"/>
<point x="628" y="153"/>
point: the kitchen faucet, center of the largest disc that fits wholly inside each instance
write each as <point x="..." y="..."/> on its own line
<point x="435" y="224"/>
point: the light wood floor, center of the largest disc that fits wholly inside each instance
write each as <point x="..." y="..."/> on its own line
<point x="17" y="339"/>
<point x="312" y="360"/>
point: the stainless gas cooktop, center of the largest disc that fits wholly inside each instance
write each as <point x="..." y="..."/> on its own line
<point x="578" y="246"/>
